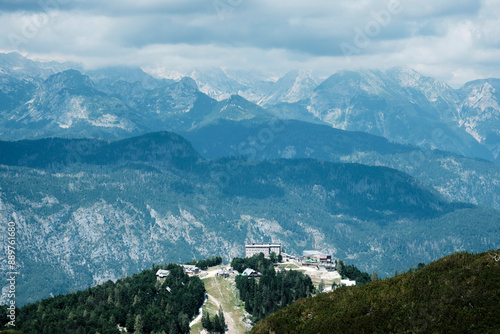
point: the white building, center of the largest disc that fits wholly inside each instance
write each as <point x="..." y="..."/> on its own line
<point x="266" y="248"/>
<point x="190" y="269"/>
<point x="250" y="273"/>
<point x="161" y="274"/>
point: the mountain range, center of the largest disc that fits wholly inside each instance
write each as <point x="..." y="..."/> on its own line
<point x="90" y="210"/>
<point x="384" y="168"/>
<point x="399" y="104"/>
<point x="52" y="99"/>
<point x="42" y="100"/>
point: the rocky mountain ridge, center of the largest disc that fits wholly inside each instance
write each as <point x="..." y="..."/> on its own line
<point x="398" y="104"/>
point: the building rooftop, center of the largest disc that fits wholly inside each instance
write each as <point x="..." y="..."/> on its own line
<point x="248" y="272"/>
<point x="162" y="273"/>
<point x="190" y="267"/>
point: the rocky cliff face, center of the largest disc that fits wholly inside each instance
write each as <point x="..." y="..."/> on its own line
<point x="480" y="113"/>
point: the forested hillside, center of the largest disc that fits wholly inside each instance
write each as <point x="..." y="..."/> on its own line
<point x="454" y="176"/>
<point x="459" y="293"/>
<point x="140" y="303"/>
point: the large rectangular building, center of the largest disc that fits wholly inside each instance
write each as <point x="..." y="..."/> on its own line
<point x="265" y="248"/>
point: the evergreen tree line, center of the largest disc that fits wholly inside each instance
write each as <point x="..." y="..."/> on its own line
<point x="205" y="263"/>
<point x="217" y="324"/>
<point x="353" y="273"/>
<point x="272" y="291"/>
<point x="140" y="303"/>
<point x="257" y="262"/>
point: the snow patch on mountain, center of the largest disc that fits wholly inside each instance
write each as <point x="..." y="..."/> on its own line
<point x="216" y="83"/>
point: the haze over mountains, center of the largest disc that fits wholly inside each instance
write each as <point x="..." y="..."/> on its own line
<point x="51" y="99"/>
<point x="399" y="104"/>
<point x="386" y="169"/>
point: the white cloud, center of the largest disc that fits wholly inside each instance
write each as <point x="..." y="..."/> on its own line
<point x="454" y="41"/>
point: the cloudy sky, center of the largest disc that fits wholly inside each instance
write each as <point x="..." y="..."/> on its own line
<point x="452" y="40"/>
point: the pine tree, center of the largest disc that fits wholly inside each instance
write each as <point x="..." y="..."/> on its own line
<point x="183" y="321"/>
<point x="137" y="300"/>
<point x="216" y="324"/>
<point x="169" y="310"/>
<point x="138" y="324"/>
<point x="222" y="321"/>
<point x="341" y="268"/>
<point x="273" y="257"/>
<point x="130" y="322"/>
<point x="205" y="321"/>
<point x="173" y="328"/>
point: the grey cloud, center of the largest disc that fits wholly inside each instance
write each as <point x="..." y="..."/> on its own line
<point x="19" y="5"/>
<point x="428" y="9"/>
<point x="277" y="33"/>
<point x="35" y="6"/>
<point x="254" y="27"/>
<point x="109" y="7"/>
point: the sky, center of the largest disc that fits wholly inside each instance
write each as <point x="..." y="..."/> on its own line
<point x="452" y="40"/>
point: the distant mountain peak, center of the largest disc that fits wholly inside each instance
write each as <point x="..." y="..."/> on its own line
<point x="483" y="98"/>
<point x="215" y="83"/>
<point x="406" y="76"/>
<point x="188" y="83"/>
<point x="69" y="79"/>
<point x="13" y="56"/>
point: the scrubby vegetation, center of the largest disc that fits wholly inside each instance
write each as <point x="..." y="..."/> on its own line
<point x="459" y="293"/>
